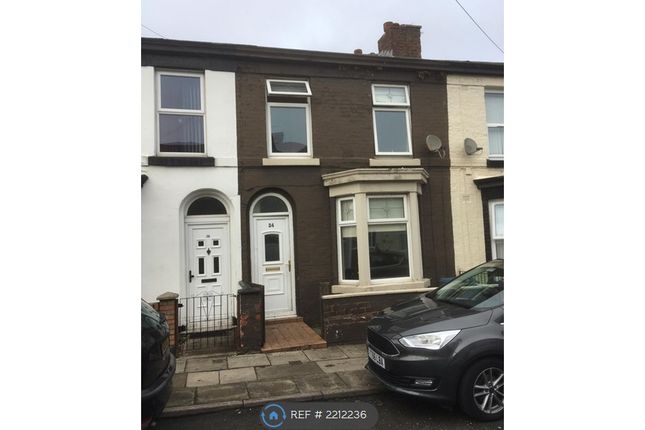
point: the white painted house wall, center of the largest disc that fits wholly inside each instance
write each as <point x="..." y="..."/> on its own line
<point x="165" y="195"/>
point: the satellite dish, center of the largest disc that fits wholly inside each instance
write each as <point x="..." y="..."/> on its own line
<point x="470" y="146"/>
<point x="433" y="143"/>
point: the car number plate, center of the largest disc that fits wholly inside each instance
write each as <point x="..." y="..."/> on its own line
<point x="376" y="358"/>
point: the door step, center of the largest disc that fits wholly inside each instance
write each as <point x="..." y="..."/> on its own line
<point x="284" y="320"/>
<point x="291" y="336"/>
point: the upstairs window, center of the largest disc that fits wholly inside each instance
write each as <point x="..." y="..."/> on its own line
<point x="288" y="118"/>
<point x="495" y="122"/>
<point x="391" y="113"/>
<point x="180" y="113"/>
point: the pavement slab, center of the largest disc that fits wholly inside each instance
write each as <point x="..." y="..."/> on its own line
<point x="205" y="364"/>
<point x="248" y="360"/>
<point x="333" y="352"/>
<point x="179" y="380"/>
<point x="243" y="374"/>
<point x="284" y="371"/>
<point x="200" y="379"/>
<point x="181" y="397"/>
<point x="221" y="393"/>
<point x="273" y="388"/>
<point x="360" y="379"/>
<point x="333" y="366"/>
<point x="354" y="351"/>
<point x="323" y="382"/>
<point x="288" y="357"/>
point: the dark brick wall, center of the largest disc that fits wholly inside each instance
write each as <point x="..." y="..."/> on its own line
<point x="342" y="129"/>
<point x="345" y="319"/>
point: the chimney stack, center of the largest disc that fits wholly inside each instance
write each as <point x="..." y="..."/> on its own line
<point x="400" y="40"/>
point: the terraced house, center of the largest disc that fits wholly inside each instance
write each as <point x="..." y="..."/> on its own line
<point x="307" y="172"/>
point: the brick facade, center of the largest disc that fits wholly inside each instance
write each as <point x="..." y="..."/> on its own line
<point x="345" y="319"/>
<point x="342" y="138"/>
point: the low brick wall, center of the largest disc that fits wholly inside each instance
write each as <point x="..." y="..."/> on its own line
<point x="345" y="318"/>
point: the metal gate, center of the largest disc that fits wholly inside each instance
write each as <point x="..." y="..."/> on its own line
<point x="207" y="324"/>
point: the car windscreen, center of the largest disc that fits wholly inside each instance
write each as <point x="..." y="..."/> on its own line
<point x="479" y="288"/>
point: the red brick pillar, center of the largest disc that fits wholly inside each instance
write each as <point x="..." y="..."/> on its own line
<point x="168" y="307"/>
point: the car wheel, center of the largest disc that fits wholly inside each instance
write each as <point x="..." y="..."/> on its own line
<point x="481" y="393"/>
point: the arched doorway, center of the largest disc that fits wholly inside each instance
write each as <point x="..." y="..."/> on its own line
<point x="208" y="265"/>
<point x="272" y="253"/>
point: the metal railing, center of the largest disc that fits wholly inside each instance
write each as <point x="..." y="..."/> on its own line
<point x="207" y="324"/>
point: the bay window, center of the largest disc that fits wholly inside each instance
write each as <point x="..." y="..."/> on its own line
<point x="388" y="238"/>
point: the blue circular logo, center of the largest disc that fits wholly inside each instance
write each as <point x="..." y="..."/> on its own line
<point x="273" y="415"/>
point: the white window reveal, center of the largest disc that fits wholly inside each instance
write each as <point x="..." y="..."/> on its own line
<point x="391" y="113"/>
<point x="495" y="123"/>
<point x="180" y="113"/>
<point x="288" y="119"/>
<point x="496" y="210"/>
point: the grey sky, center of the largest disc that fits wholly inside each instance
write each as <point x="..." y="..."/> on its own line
<point x="332" y="25"/>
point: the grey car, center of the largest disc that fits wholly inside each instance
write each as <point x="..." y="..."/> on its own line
<point x="447" y="345"/>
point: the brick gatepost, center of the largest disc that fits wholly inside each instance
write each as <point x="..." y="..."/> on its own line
<point x="168" y="307"/>
<point x="250" y="313"/>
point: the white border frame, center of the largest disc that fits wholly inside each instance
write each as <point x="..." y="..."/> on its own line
<point x="189" y="112"/>
<point x="408" y="129"/>
<point x="491" y="216"/>
<point x="288" y="93"/>
<point x="385" y="221"/>
<point x="309" y="152"/>
<point x="253" y="243"/>
<point x="493" y="124"/>
<point x="405" y="87"/>
<point x="339" y="225"/>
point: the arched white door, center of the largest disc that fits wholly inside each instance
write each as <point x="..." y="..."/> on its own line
<point x="207" y="263"/>
<point x="272" y="254"/>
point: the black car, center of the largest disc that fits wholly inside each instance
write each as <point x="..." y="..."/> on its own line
<point x="157" y="364"/>
<point x="447" y="345"/>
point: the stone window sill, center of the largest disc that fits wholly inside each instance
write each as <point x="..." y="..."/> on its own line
<point x="394" y="162"/>
<point x="380" y="288"/>
<point x="291" y="162"/>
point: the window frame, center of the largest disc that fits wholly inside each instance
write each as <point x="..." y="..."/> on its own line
<point x="271" y="92"/>
<point x="491" y="216"/>
<point x="392" y="107"/>
<point x="339" y="242"/>
<point x="307" y="108"/>
<point x="493" y="124"/>
<point x="385" y="221"/>
<point x="170" y="111"/>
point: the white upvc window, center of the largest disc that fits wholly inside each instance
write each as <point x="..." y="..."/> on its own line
<point x="496" y="212"/>
<point x="388" y="238"/>
<point x="288" y="119"/>
<point x="387" y="226"/>
<point x="495" y="123"/>
<point x="347" y="241"/>
<point x="391" y="116"/>
<point x="277" y="87"/>
<point x="180" y="113"/>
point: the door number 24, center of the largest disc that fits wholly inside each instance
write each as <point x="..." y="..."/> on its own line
<point x="271" y="225"/>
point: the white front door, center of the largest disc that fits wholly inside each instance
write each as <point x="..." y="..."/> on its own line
<point x="273" y="263"/>
<point x="208" y="276"/>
